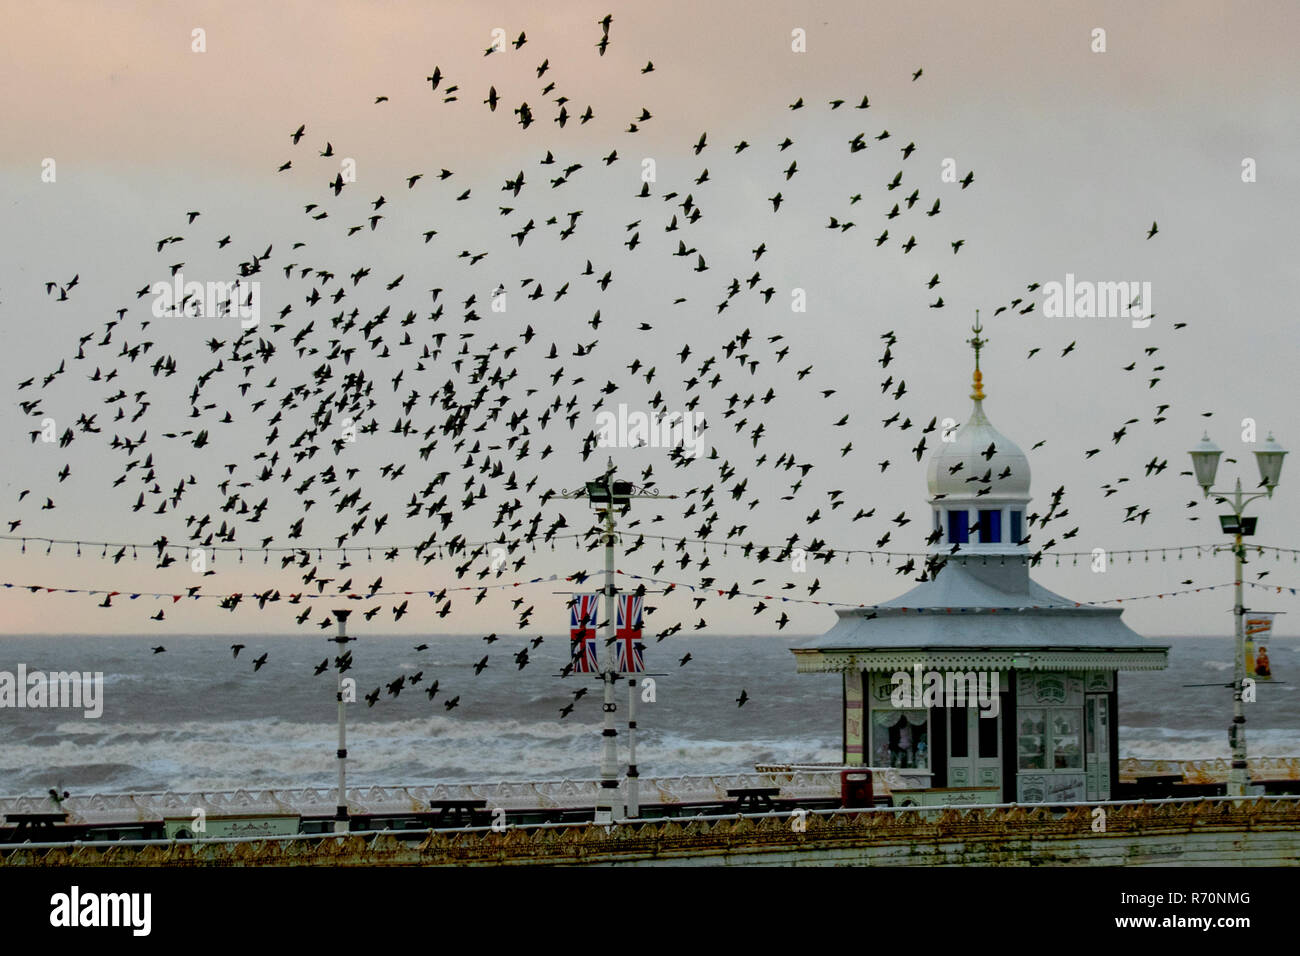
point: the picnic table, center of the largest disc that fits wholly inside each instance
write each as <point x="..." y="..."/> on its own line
<point x="1280" y="785"/>
<point x="33" y="826"/>
<point x="456" y="813"/>
<point x="1154" y="785"/>
<point x="753" y="799"/>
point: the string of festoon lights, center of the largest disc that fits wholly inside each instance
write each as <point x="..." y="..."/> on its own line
<point x="167" y="551"/>
<point x="733" y="592"/>
<point x="163" y="548"/>
<point x="272" y="595"/>
<point x="231" y="600"/>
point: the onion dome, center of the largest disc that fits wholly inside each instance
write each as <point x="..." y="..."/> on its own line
<point x="978" y="482"/>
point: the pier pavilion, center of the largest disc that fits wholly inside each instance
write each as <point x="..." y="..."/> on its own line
<point x="1052" y="734"/>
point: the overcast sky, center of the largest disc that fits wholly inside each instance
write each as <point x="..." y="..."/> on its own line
<point x="1075" y="153"/>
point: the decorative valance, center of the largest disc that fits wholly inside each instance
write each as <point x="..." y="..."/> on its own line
<point x="814" y="661"/>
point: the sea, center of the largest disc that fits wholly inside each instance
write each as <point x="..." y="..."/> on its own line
<point x="194" y="717"/>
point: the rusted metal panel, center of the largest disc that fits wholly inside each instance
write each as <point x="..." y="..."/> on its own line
<point x="1245" y="832"/>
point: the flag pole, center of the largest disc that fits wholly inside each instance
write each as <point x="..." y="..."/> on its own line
<point x="609" y="807"/>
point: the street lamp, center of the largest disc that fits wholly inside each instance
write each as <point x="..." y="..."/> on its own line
<point x="1205" y="463"/>
<point x="607" y="494"/>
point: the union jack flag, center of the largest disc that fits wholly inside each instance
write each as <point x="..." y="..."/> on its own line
<point x="582" y="633"/>
<point x="627" y="635"/>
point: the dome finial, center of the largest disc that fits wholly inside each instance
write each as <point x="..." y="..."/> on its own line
<point x="977" y="343"/>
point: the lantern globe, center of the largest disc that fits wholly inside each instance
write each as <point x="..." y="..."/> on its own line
<point x="1269" y="458"/>
<point x="1205" y="462"/>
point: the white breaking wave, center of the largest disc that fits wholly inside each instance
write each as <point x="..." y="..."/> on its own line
<point x="1154" y="743"/>
<point x="230" y="754"/>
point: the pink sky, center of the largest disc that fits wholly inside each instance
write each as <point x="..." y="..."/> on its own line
<point x="1074" y="152"/>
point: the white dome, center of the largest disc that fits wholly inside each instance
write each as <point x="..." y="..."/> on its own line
<point x="979" y="449"/>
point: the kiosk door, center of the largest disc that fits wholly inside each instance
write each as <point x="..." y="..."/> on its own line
<point x="974" y="748"/>
<point x="1096" y="752"/>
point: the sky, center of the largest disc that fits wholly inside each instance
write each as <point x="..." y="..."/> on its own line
<point x="1075" y="153"/>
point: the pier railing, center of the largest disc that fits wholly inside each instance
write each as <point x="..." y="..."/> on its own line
<point x="1213" y="770"/>
<point x="99" y="809"/>
<point x="1131" y="769"/>
<point x="796" y="781"/>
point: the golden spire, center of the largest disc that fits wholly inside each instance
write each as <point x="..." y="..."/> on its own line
<point x="977" y="343"/>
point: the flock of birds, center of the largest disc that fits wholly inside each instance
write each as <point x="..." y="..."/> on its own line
<point x="467" y="428"/>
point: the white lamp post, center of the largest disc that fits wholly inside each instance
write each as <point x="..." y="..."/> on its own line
<point x="606" y="494"/>
<point x="1205" y="463"/>
<point x="341" y="754"/>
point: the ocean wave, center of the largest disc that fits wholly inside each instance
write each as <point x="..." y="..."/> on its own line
<point x="227" y="754"/>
